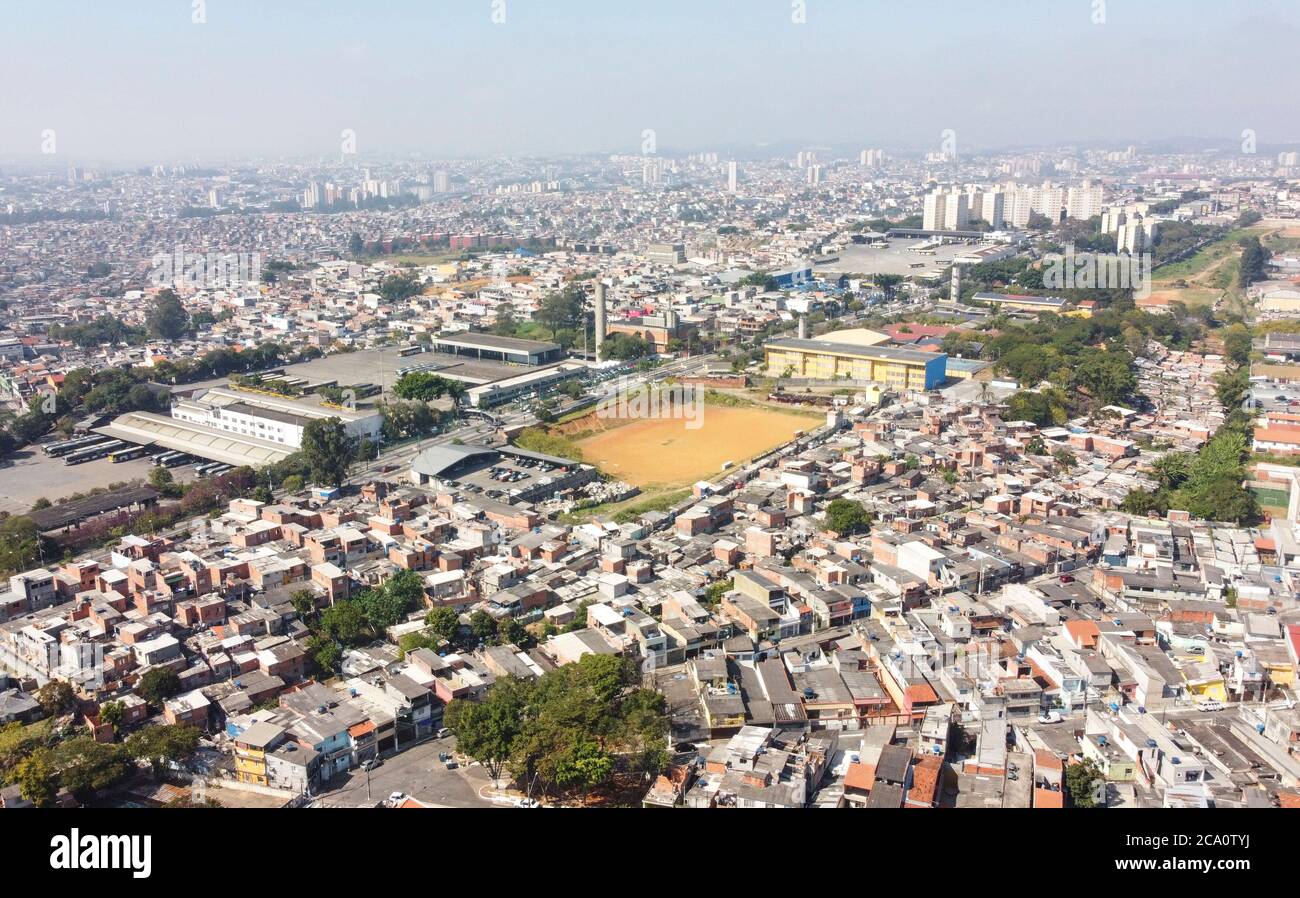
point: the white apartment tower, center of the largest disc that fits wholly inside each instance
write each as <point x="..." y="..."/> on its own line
<point x="956" y="213"/>
<point x="935" y="213"/>
<point x="992" y="207"/>
<point x="1084" y="201"/>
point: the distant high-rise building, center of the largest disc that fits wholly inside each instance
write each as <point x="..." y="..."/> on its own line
<point x="1084" y="201"/>
<point x="1048" y="199"/>
<point x="871" y="157"/>
<point x="934" y="215"/>
<point x="956" y="212"/>
<point x="731" y="176"/>
<point x="991" y="207"/>
<point x="441" y="182"/>
<point x="814" y="175"/>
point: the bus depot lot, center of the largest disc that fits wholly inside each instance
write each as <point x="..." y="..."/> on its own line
<point x="31" y="474"/>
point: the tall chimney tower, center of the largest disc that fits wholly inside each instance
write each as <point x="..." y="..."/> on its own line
<point x="954" y="291"/>
<point x="600" y="319"/>
<point x="803" y="327"/>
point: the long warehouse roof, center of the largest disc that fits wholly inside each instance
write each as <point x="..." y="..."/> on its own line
<point x="205" y="442"/>
<point x="884" y="353"/>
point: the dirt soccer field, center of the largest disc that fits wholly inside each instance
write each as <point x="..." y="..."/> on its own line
<point x="662" y="451"/>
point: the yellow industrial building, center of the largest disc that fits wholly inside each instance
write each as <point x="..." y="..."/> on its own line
<point x="897" y="369"/>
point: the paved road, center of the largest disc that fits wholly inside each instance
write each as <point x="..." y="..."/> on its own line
<point x="418" y="773"/>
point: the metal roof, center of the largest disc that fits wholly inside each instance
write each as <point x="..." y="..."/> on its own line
<point x="434" y="461"/>
<point x="884" y="353"/>
<point x="492" y="341"/>
<point x="67" y="513"/>
<point x="205" y="442"/>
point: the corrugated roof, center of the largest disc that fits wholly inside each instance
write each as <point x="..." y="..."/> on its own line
<point x="205" y="442"/>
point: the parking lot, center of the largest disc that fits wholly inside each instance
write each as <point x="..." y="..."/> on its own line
<point x="31" y="474"/>
<point x="497" y="480"/>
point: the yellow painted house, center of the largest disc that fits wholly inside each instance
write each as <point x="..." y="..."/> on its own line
<point x="1205" y="681"/>
<point x="250" y="752"/>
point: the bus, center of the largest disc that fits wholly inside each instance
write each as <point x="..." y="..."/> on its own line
<point x="66" y="446"/>
<point x="92" y="453"/>
<point x="128" y="454"/>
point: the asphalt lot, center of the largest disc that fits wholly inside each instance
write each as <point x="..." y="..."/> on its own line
<point x="418" y="773"/>
<point x="31" y="474"/>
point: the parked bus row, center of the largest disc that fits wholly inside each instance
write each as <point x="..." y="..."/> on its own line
<point x="91" y="453"/>
<point x="64" y="447"/>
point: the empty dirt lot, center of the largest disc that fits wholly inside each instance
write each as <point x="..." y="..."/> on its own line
<point x="664" y="452"/>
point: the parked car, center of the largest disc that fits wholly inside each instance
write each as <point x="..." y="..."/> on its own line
<point x="1209" y="704"/>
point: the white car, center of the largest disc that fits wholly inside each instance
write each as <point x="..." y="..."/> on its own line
<point x="1050" y="717"/>
<point x="1209" y="705"/>
<point x="396" y="798"/>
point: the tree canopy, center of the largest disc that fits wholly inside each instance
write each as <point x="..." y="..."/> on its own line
<point x="570" y="731"/>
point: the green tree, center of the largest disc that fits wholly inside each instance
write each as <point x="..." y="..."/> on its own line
<point x="1237" y="344"/>
<point x="584" y="765"/>
<point x="56" y="697"/>
<point x="482" y="625"/>
<point x="487" y="730"/>
<point x="87" y="767"/>
<point x="382" y="609"/>
<point x="161" y="478"/>
<point x="37" y="778"/>
<point x="167" y="318"/>
<point x="398" y="288"/>
<point x="346" y="622"/>
<point x="163" y="744"/>
<point x="846" y="517"/>
<point x="327" y="450"/>
<point x="1172" y="469"/>
<point x="20" y="544"/>
<point x="111" y="713"/>
<point x="561" y="311"/>
<point x="1253" y="262"/>
<point x="158" y="684"/>
<point x="304" y="602"/>
<point x="1081" y="780"/>
<point x="444" y="622"/>
<point x="325" y="653"/>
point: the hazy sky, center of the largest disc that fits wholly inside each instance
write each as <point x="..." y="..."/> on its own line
<point x="138" y="80"/>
